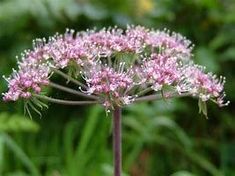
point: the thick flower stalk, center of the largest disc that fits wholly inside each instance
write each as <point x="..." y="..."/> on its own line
<point x="114" y="68"/>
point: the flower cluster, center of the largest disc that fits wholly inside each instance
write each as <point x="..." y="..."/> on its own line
<point x="116" y="66"/>
<point x="31" y="76"/>
<point x="161" y="70"/>
<point x="107" y="81"/>
<point x="205" y="86"/>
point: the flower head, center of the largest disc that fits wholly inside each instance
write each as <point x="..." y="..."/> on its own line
<point x="114" y="67"/>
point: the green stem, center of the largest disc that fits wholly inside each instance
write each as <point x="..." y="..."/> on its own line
<point x="144" y="91"/>
<point x="64" y="102"/>
<point x="167" y="95"/>
<point x="69" y="78"/>
<point x="72" y="91"/>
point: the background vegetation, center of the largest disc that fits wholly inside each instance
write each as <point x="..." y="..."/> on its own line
<point x="159" y="138"/>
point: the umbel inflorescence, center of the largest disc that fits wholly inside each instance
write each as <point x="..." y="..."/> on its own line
<point x="114" y="67"/>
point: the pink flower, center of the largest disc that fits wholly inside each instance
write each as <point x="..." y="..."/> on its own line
<point x="116" y="66"/>
<point x="161" y="70"/>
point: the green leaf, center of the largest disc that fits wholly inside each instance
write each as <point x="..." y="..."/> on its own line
<point x="223" y="38"/>
<point x="35" y="109"/>
<point x="16" y="123"/>
<point x="94" y="12"/>
<point x="39" y="103"/>
<point x="203" y="163"/>
<point x="19" y="153"/>
<point x="27" y="111"/>
<point x="202" y="107"/>
<point x="1" y="154"/>
<point x="183" y="173"/>
<point x="204" y="56"/>
<point x="108" y="170"/>
<point x="229" y="54"/>
<point x="69" y="137"/>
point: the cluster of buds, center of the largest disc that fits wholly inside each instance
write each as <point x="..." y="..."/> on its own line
<point x="114" y="67"/>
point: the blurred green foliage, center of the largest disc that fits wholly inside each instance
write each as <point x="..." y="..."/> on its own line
<point x="159" y="138"/>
